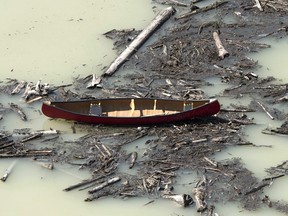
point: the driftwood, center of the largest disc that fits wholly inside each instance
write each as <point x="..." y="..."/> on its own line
<point x="95" y="82"/>
<point x="133" y="158"/>
<point x="7" y="144"/>
<point x="173" y="2"/>
<point x="163" y="16"/>
<point x="221" y="50"/>
<point x="265" y="110"/>
<point x="183" y="200"/>
<point x="8" y="171"/>
<point x="19" y="111"/>
<point x="19" y="87"/>
<point x="105" y="184"/>
<point x="199" y="197"/>
<point x="199" y="193"/>
<point x="255" y="189"/>
<point x="85" y="182"/>
<point x="100" y="194"/>
<point x="26" y="132"/>
<point x="258" y="5"/>
<point x="203" y="9"/>
<point x="28" y="153"/>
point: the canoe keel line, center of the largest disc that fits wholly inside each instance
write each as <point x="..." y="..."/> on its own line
<point x="130" y="111"/>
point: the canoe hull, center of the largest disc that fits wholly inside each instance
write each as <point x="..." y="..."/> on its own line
<point x="208" y="109"/>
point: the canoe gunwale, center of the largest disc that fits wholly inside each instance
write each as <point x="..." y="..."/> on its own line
<point x="210" y="108"/>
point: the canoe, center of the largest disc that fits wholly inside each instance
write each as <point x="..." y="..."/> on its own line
<point x="130" y="111"/>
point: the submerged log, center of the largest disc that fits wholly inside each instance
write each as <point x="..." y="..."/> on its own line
<point x="221" y="50"/>
<point x="163" y="16"/>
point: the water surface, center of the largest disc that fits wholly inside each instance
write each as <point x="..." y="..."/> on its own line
<point x="57" y="40"/>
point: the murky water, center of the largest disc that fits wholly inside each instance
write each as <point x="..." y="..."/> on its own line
<point x="273" y="60"/>
<point x="57" y="40"/>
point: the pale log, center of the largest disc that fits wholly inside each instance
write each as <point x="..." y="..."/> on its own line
<point x="163" y="16"/>
<point x="221" y="50"/>
<point x="105" y="184"/>
<point x="133" y="158"/>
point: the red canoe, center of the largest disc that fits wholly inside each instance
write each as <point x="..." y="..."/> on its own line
<point x="130" y="111"/>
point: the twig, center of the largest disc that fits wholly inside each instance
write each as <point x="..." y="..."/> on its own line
<point x="265" y="110"/>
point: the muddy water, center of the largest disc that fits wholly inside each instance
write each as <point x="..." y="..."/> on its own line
<point x="273" y="60"/>
<point x="56" y="41"/>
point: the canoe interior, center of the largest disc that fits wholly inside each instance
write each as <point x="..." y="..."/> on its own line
<point x="129" y="107"/>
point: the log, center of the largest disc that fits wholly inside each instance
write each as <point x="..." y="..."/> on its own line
<point x="7" y="144"/>
<point x="163" y="16"/>
<point x="19" y="111"/>
<point x="133" y="159"/>
<point x="183" y="200"/>
<point x="203" y="9"/>
<point x="105" y="184"/>
<point x="84" y="183"/>
<point x="221" y="50"/>
<point x="8" y="171"/>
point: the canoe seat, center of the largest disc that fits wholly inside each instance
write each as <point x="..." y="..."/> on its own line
<point x="95" y="109"/>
